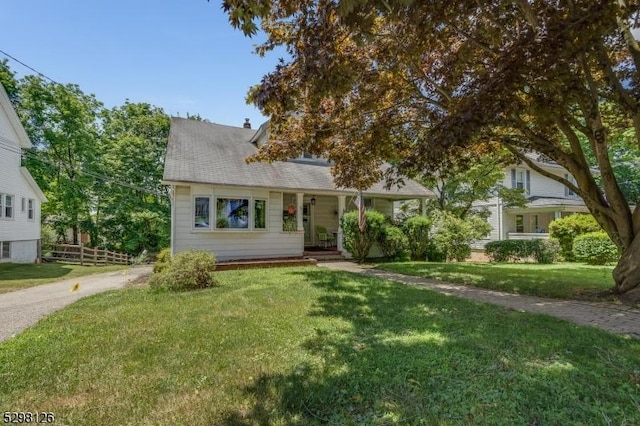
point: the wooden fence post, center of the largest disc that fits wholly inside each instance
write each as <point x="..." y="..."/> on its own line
<point x="81" y="254"/>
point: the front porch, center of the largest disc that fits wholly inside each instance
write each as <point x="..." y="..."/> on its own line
<point x="529" y="224"/>
<point x="317" y="217"/>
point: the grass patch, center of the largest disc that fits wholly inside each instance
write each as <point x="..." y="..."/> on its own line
<point x="15" y="276"/>
<point x="558" y="280"/>
<point x="299" y="346"/>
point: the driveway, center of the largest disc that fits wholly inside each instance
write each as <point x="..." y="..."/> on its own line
<point x="23" y="308"/>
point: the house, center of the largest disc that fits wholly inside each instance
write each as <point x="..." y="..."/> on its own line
<point x="20" y="197"/>
<point x="258" y="210"/>
<point x="547" y="200"/>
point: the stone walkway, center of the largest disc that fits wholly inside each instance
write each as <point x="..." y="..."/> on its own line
<point x="619" y="319"/>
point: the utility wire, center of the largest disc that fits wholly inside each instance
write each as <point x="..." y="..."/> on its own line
<point x="27" y="66"/>
<point x="34" y="155"/>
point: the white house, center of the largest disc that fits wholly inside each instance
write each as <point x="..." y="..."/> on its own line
<point x="20" y="197"/>
<point x="547" y="200"/>
<point x="259" y="210"/>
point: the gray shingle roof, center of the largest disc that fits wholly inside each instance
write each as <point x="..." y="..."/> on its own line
<point x="553" y="202"/>
<point x="200" y="152"/>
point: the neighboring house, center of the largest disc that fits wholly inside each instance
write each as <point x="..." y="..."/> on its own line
<point x="547" y="200"/>
<point x="258" y="210"/>
<point x="20" y="197"/>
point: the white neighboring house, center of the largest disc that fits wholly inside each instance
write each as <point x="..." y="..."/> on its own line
<point x="221" y="204"/>
<point x="547" y="200"/>
<point x="20" y="197"/>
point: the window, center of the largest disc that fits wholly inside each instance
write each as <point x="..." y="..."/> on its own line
<point x="519" y="223"/>
<point x="6" y="206"/>
<point x="260" y="214"/>
<point x="5" y="250"/>
<point x="31" y="209"/>
<point x="232" y="213"/>
<point x="521" y="179"/>
<point x="201" y="215"/>
<point x="567" y="191"/>
<point x="24" y="202"/>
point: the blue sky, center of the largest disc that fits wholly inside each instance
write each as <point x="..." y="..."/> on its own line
<point x="181" y="55"/>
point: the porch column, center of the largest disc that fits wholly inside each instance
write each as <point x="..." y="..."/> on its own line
<point x="299" y="210"/>
<point x="557" y="214"/>
<point x="341" y="203"/>
<point x="423" y="207"/>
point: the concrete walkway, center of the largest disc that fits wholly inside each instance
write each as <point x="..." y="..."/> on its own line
<point x="23" y="308"/>
<point x="618" y="319"/>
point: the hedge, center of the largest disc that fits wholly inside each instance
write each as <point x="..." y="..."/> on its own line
<point x="542" y="251"/>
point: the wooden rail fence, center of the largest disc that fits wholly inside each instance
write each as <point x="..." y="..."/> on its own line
<point x="82" y="255"/>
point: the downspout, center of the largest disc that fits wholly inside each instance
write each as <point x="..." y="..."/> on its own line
<point x="172" y="193"/>
<point x="500" y="217"/>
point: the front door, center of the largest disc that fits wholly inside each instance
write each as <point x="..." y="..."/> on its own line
<point x="306" y="223"/>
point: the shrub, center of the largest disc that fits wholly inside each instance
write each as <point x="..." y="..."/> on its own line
<point x="453" y="236"/>
<point x="418" y="229"/>
<point x="542" y="251"/>
<point x="393" y="243"/>
<point x="359" y="243"/>
<point x="190" y="270"/>
<point x="545" y="251"/>
<point x="162" y="260"/>
<point x="566" y="229"/>
<point x="595" y="248"/>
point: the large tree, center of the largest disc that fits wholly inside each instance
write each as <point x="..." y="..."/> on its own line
<point x="416" y="82"/>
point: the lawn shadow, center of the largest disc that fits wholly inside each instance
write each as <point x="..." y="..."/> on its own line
<point x="13" y="271"/>
<point x="412" y="356"/>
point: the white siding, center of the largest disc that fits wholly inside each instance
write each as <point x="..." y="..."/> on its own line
<point x="24" y="251"/>
<point x="230" y="245"/>
<point x="541" y="186"/>
<point x="22" y="232"/>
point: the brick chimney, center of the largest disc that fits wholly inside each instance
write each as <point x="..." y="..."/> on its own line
<point x="246" y="124"/>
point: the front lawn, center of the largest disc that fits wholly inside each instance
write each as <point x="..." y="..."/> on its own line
<point x="18" y="276"/>
<point x="299" y="346"/>
<point x="559" y="280"/>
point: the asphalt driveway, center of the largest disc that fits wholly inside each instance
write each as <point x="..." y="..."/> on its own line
<point x="23" y="308"/>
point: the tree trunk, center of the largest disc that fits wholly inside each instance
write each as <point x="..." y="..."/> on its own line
<point x="627" y="273"/>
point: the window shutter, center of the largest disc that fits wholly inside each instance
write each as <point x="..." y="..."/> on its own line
<point x="513" y="178"/>
<point x="528" y="183"/>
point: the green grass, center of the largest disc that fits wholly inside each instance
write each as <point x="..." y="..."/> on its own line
<point x="559" y="281"/>
<point x="299" y="346"/>
<point x="18" y="276"/>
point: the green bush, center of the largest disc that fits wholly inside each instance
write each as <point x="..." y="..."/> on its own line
<point x="190" y="270"/>
<point x="418" y="229"/>
<point x="453" y="236"/>
<point x="359" y="243"/>
<point x="567" y="228"/>
<point x="542" y="251"/>
<point x="545" y="251"/>
<point x="393" y="243"/>
<point x="595" y="248"/>
<point x="162" y="260"/>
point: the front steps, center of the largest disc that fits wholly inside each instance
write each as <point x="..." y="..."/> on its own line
<point x="324" y="255"/>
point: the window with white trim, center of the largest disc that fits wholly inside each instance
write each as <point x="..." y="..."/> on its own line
<point x="568" y="192"/>
<point x="31" y="209"/>
<point x="24" y="205"/>
<point x="259" y="214"/>
<point x="232" y="213"/>
<point x="5" y="250"/>
<point x="6" y="206"/>
<point x="202" y="212"/>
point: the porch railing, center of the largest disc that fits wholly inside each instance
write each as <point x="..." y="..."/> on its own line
<point x="528" y="235"/>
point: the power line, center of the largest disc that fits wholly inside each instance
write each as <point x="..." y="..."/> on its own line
<point x="29" y="67"/>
